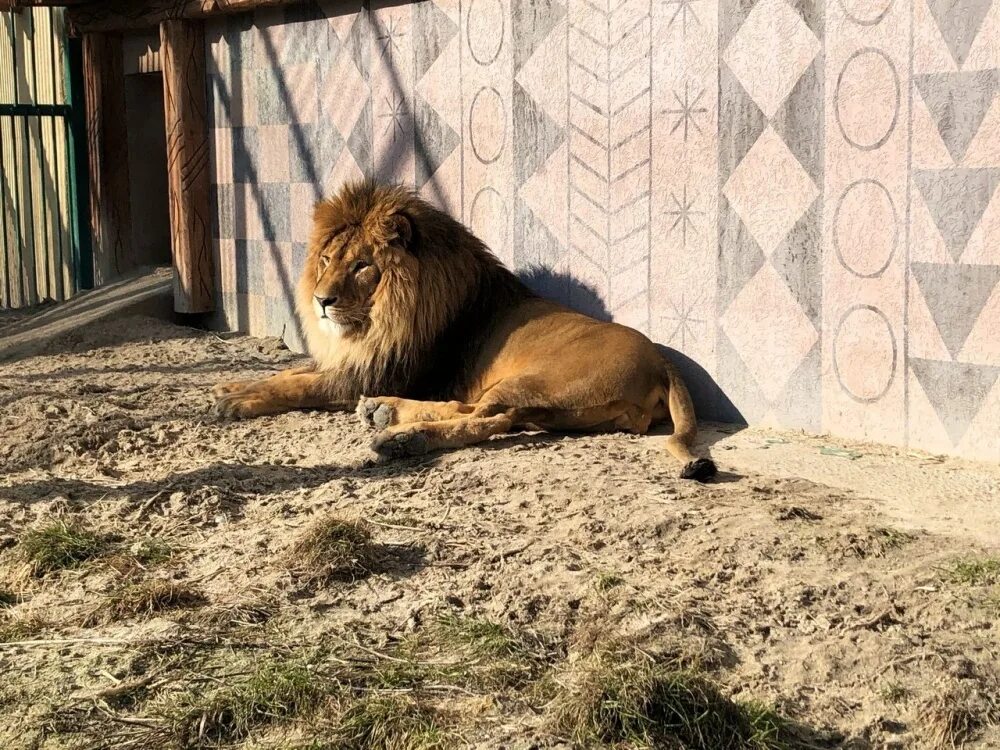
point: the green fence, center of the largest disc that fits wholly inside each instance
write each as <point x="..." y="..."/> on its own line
<point x="45" y="242"/>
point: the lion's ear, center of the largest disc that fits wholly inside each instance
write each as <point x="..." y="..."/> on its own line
<point x="404" y="229"/>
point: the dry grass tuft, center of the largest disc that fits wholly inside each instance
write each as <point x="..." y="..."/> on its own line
<point x="388" y="723"/>
<point x="20" y="627"/>
<point x="143" y="599"/>
<point x="333" y="549"/>
<point x="627" y="696"/>
<point x="953" y="715"/>
<point x="876" y="541"/>
<point x="59" y="545"/>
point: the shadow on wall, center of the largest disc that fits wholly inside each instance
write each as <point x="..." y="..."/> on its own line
<point x="710" y="401"/>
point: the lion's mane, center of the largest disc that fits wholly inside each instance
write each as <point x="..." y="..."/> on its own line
<point x="434" y="305"/>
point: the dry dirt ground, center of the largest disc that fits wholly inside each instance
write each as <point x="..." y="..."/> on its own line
<point x="848" y="594"/>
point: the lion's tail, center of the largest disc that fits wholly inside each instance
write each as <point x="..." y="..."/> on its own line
<point x="685" y="429"/>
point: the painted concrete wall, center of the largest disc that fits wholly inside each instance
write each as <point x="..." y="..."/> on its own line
<point x="800" y="197"/>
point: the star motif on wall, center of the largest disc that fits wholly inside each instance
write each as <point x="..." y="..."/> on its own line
<point x="683" y="211"/>
<point x="395" y="114"/>
<point x="687" y="111"/>
<point x="684" y="8"/>
<point x="684" y="323"/>
<point x="388" y="39"/>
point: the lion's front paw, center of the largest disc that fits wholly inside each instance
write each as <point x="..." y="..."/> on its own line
<point x="238" y="405"/>
<point x="400" y="444"/>
<point x="376" y="413"/>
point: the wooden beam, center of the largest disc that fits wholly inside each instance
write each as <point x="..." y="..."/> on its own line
<point x="182" y="48"/>
<point x="17" y="4"/>
<point x="121" y="15"/>
<point x="107" y="150"/>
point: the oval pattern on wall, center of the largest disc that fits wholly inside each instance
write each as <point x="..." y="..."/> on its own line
<point x="867" y="99"/>
<point x="865" y="228"/>
<point x="866" y="12"/>
<point x="864" y="353"/>
<point x="485" y="30"/>
<point x="487" y="124"/>
<point x="488" y="219"/>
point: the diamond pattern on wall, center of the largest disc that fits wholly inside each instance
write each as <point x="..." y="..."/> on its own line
<point x="770" y="53"/>
<point x="769" y="331"/>
<point x="770" y="190"/>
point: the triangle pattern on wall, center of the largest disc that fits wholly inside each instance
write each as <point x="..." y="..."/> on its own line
<point x="959" y="22"/>
<point x="956" y="390"/>
<point x="958" y="102"/>
<point x="957" y="199"/>
<point x="432" y="30"/>
<point x="434" y="141"/>
<point x="955" y="295"/>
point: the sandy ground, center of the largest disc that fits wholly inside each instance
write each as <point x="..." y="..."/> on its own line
<point x="814" y="574"/>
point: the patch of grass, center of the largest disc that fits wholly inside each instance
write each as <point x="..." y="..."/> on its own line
<point x="8" y="599"/>
<point x="479" y="637"/>
<point x="273" y="691"/>
<point x="151" y="551"/>
<point x="480" y="653"/>
<point x="607" y="581"/>
<point x="464" y="652"/>
<point x="15" y="628"/>
<point x="627" y="696"/>
<point x="333" y="549"/>
<point x="893" y="692"/>
<point x="60" y="545"/>
<point x="143" y="598"/>
<point x="388" y="723"/>
<point x="976" y="571"/>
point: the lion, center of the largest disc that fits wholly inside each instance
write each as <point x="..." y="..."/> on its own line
<point x="414" y="323"/>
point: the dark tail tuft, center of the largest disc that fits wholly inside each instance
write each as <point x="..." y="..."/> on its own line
<point x="701" y="469"/>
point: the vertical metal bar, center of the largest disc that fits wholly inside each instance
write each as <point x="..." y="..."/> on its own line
<point x="76" y="149"/>
<point x="32" y="281"/>
<point x="16" y="201"/>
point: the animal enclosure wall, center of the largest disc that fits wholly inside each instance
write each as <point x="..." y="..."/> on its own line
<point x="798" y="196"/>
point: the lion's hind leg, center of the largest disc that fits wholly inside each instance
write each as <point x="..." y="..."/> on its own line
<point x="483" y="421"/>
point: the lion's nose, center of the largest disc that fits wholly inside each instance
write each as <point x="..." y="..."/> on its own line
<point x="326" y="301"/>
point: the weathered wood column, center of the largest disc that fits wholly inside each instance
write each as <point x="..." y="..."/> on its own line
<point x="107" y="150"/>
<point x="182" y="50"/>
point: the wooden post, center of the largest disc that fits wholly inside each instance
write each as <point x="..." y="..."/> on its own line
<point x="182" y="46"/>
<point x="107" y="151"/>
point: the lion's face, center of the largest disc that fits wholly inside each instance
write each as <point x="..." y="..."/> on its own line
<point x="347" y="267"/>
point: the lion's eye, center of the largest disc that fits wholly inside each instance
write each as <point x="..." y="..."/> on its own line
<point x="359" y="266"/>
<point x="324" y="261"/>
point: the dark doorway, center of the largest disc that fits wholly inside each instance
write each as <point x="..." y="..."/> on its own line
<point x="147" y="159"/>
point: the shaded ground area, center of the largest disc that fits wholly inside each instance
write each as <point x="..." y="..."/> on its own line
<point x="167" y="580"/>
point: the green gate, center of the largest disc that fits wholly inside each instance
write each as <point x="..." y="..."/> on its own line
<point x="45" y="251"/>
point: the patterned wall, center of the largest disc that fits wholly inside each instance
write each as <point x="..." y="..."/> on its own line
<point x="799" y="196"/>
